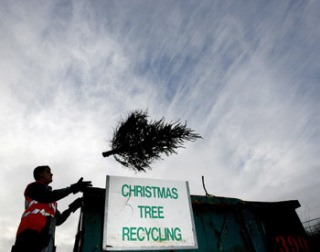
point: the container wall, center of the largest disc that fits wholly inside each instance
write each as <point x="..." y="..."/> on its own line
<point x="222" y="224"/>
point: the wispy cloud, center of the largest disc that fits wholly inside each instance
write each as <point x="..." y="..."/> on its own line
<point x="245" y="77"/>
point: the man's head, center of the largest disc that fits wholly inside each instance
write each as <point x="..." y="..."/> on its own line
<point x="43" y="174"/>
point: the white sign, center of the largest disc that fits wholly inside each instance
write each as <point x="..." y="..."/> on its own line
<point x="148" y="214"/>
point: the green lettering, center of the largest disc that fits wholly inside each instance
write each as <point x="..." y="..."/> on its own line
<point x="124" y="193"/>
<point x="133" y="233"/>
<point x="140" y="237"/>
<point x="160" y="212"/>
<point x="148" y="232"/>
<point x="138" y="191"/>
<point x="163" y="236"/>
<point x="174" y="193"/>
<point x="125" y="233"/>
<point x="148" y="212"/>
<point x="168" y="193"/>
<point x="162" y="192"/>
<point x="132" y="190"/>
<point x="155" y="238"/>
<point x="152" y="233"/>
<point x="177" y="234"/>
<point x="148" y="192"/>
<point x="153" y="212"/>
<point x="155" y="191"/>
<point x="141" y="211"/>
<point x="169" y="233"/>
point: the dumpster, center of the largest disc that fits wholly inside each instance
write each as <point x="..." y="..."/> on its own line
<point x="222" y="224"/>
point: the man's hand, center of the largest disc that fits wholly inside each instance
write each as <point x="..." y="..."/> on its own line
<point x="76" y="204"/>
<point x="80" y="186"/>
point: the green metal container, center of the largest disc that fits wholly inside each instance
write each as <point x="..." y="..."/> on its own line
<point x="222" y="224"/>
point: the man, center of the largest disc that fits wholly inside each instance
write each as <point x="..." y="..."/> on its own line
<point x="36" y="230"/>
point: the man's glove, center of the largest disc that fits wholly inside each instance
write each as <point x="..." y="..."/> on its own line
<point x="80" y="186"/>
<point x="76" y="204"/>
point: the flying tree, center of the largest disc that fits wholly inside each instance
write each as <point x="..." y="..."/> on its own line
<point x="137" y="141"/>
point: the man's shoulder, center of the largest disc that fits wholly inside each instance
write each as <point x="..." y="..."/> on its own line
<point x="35" y="186"/>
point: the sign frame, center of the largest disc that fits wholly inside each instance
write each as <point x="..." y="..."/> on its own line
<point x="128" y="206"/>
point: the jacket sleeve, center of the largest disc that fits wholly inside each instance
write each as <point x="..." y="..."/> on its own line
<point x="44" y="194"/>
<point x="62" y="217"/>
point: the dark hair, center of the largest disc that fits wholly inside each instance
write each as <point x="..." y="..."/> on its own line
<point x="38" y="170"/>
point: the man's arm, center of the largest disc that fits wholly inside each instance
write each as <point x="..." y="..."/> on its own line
<point x="61" y="217"/>
<point x="44" y="194"/>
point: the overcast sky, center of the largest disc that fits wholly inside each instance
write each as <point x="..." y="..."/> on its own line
<point x="245" y="75"/>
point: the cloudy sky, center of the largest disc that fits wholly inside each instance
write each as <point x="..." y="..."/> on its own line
<point x="244" y="75"/>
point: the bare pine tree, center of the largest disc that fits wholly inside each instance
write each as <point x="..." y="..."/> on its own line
<point x="136" y="143"/>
